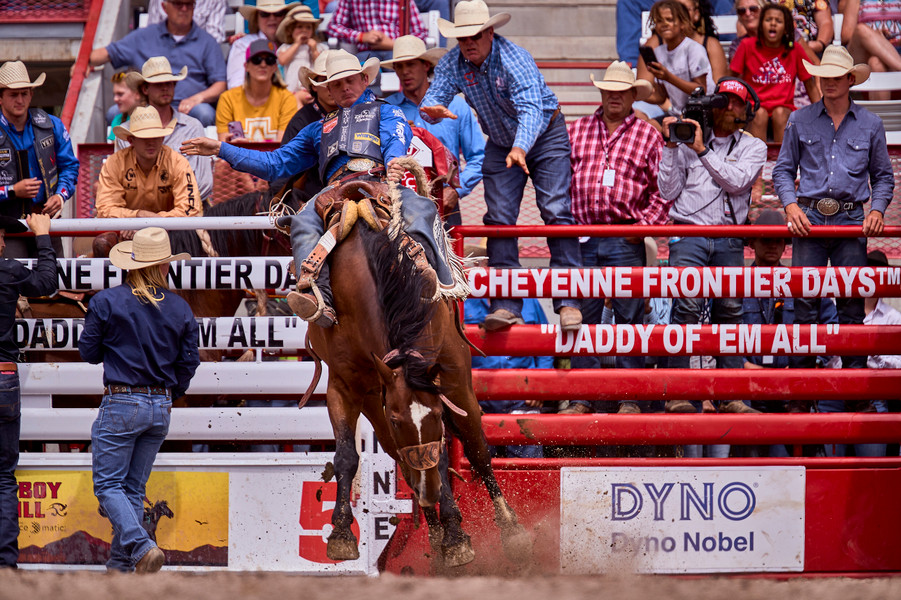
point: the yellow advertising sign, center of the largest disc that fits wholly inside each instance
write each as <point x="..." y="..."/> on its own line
<point x="60" y="522"/>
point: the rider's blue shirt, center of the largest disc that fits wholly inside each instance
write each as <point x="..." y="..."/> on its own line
<point x="302" y="152"/>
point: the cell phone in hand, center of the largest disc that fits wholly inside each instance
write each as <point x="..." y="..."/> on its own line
<point x="236" y="129"/>
<point x="647" y="53"/>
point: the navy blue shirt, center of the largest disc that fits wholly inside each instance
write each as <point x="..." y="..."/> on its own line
<point x="138" y="343"/>
<point x="16" y="279"/>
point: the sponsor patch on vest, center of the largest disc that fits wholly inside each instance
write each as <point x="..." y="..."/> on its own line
<point x="357" y="147"/>
<point x="367" y="137"/>
<point x="47" y="142"/>
<point x="329" y="125"/>
<point x="364" y="115"/>
<point x="6" y="178"/>
<point x="5" y="156"/>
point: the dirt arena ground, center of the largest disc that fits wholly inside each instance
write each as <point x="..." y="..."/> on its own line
<point x="269" y="586"/>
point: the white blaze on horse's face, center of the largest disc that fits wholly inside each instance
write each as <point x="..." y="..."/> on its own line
<point x="418" y="412"/>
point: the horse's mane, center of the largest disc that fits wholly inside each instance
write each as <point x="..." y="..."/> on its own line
<point x="399" y="286"/>
<point x="241" y="242"/>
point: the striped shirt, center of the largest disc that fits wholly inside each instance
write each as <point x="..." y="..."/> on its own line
<point x="353" y="17"/>
<point x="633" y="154"/>
<point x="507" y="91"/>
<point x="706" y="189"/>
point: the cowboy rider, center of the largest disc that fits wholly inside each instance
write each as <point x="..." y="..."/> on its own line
<point x="358" y="141"/>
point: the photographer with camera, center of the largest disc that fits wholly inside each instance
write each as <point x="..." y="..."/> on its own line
<point x="708" y="167"/>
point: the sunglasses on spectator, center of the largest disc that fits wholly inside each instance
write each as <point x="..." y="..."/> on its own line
<point x="259" y="59"/>
<point x="280" y="14"/>
<point x="182" y="5"/>
<point x="471" y="38"/>
<point x="750" y="9"/>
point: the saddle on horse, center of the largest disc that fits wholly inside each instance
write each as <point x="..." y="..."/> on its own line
<point x="340" y="207"/>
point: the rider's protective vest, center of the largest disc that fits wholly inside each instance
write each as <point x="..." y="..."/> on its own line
<point x="352" y="131"/>
<point x="44" y="147"/>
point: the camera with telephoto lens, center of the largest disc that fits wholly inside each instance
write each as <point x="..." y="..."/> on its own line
<point x="699" y="108"/>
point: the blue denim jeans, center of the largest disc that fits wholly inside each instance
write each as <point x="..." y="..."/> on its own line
<point x="706" y="252"/>
<point x="125" y="439"/>
<point x="550" y="170"/>
<point x="10" y="419"/>
<point x="840" y="252"/>
<point x="838" y="406"/>
<point x="611" y="252"/>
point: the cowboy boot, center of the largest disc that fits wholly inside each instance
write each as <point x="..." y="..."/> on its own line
<point x="306" y="230"/>
<point x="421" y="222"/>
<point x="306" y="305"/>
<point x="420" y="256"/>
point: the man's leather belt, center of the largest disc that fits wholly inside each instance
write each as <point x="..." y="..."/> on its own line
<point x="344" y="174"/>
<point x="9" y="366"/>
<point x="826" y="206"/>
<point x="153" y="390"/>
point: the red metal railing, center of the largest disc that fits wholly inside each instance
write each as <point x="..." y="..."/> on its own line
<point x="81" y="63"/>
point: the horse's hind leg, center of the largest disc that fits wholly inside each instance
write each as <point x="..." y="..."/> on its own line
<point x="515" y="539"/>
<point x="342" y="543"/>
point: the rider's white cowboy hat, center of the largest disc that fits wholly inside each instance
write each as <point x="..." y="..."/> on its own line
<point x="836" y="62"/>
<point x="619" y="77"/>
<point x="410" y="47"/>
<point x="249" y="11"/>
<point x="471" y="17"/>
<point x="341" y="64"/>
<point x="144" y="123"/>
<point x="149" y="247"/>
<point x="298" y="14"/>
<point x="14" y="75"/>
<point x="157" y="69"/>
<point x="306" y="74"/>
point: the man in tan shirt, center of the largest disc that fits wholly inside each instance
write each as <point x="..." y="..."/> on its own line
<point x="147" y="179"/>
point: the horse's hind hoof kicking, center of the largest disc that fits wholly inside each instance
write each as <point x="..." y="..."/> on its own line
<point x="342" y="548"/>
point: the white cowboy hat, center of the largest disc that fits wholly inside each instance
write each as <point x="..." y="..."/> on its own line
<point x="14" y="75"/>
<point x="149" y="247"/>
<point x="471" y="17"/>
<point x="298" y="14"/>
<point x="836" y="62"/>
<point x="410" y="47"/>
<point x="341" y="64"/>
<point x="144" y="123"/>
<point x="306" y="74"/>
<point x="157" y="69"/>
<point x="270" y="6"/>
<point x="619" y="77"/>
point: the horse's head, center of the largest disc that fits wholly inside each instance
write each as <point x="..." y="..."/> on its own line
<point x="413" y="411"/>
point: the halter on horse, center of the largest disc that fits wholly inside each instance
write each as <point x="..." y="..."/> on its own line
<point x="404" y="364"/>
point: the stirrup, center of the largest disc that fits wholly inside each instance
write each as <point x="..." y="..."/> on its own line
<point x="311" y="307"/>
<point x="416" y="252"/>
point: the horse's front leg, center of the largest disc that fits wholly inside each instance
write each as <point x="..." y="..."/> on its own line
<point x="456" y="547"/>
<point x="342" y="543"/>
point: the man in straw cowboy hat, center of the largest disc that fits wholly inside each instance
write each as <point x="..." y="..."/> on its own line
<point x="710" y="182"/>
<point x="146" y="337"/>
<point x="615" y="157"/>
<point x="841" y="150"/>
<point x="526" y="138"/>
<point x="263" y="20"/>
<point x="362" y="140"/>
<point x="185" y="45"/>
<point x="38" y="168"/>
<point x="461" y="136"/>
<point x="157" y="82"/>
<point x="15" y="279"/>
<point x="147" y="179"/>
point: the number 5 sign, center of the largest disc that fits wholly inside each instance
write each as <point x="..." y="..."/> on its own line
<point x="316" y="506"/>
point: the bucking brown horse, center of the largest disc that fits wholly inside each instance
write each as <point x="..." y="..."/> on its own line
<point x="404" y="364"/>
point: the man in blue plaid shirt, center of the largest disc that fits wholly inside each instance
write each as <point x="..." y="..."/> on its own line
<point x="527" y="137"/>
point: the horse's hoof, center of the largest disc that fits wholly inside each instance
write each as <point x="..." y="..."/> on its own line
<point x="459" y="555"/>
<point x="342" y="549"/>
<point x="517" y="544"/>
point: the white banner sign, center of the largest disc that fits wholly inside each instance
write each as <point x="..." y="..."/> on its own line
<point x="219" y="333"/>
<point x="682" y="520"/>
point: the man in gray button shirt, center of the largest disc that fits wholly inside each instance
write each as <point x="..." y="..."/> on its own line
<point x="710" y="181"/>
<point x="841" y="150"/>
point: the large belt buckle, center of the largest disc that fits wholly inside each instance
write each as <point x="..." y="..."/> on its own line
<point x="828" y="206"/>
<point x="360" y="164"/>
